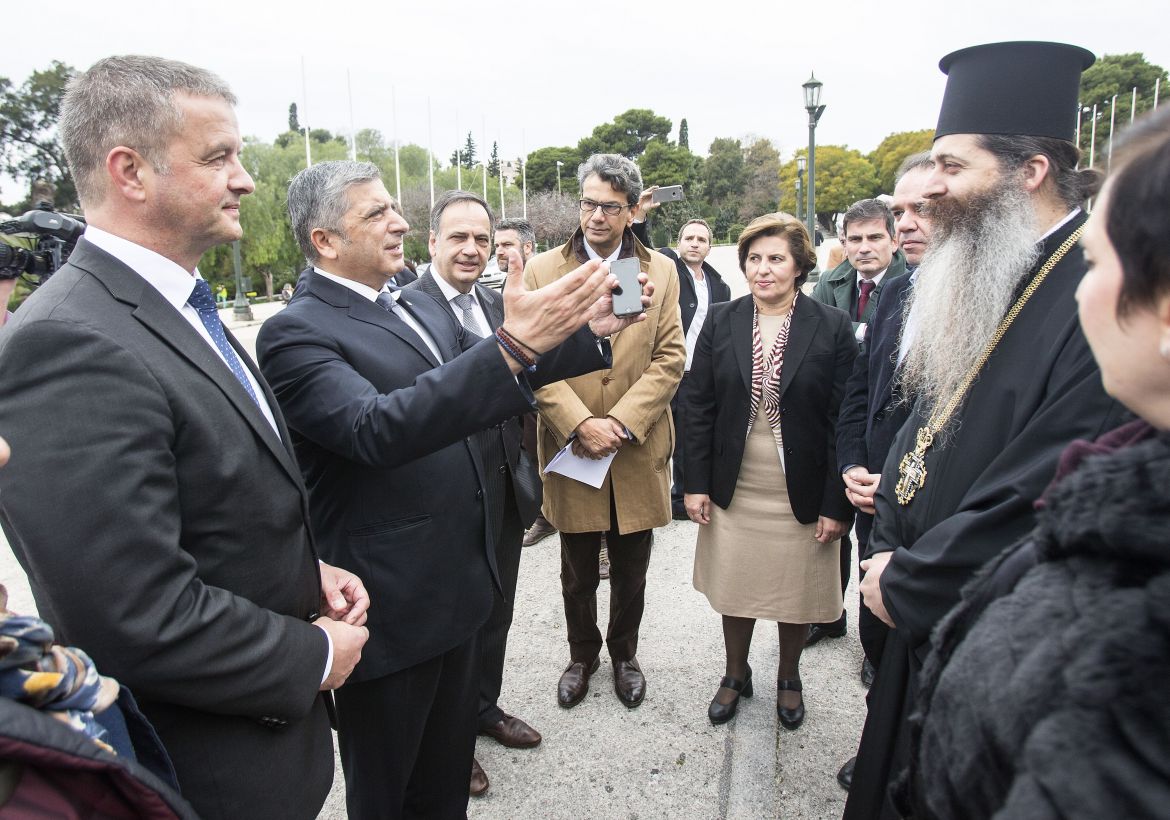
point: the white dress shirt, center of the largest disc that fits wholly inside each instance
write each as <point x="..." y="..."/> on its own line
<point x="175" y="286"/>
<point x="702" y="303"/>
<point x="399" y="311"/>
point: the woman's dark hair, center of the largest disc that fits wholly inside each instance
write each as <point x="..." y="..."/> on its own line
<point x="788" y="229"/>
<point x="1138" y="219"/>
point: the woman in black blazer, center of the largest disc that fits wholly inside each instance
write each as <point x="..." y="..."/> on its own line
<point x="760" y="469"/>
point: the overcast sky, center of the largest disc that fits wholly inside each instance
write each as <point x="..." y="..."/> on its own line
<point x="531" y="74"/>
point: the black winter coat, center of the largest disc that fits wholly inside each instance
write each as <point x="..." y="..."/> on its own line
<point x="1046" y="693"/>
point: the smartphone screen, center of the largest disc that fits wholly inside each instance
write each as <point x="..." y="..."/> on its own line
<point x="627" y="298"/>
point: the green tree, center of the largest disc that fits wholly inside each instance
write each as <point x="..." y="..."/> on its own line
<point x="413" y="160"/>
<point x="294" y="122"/>
<point x="29" y="144"/>
<point x="628" y="134"/>
<point x="493" y="166"/>
<point x="466" y="155"/>
<point x="1115" y="74"/>
<point x="723" y="172"/>
<point x="684" y="134"/>
<point x="761" y="170"/>
<point x="893" y="149"/>
<point x="542" y="169"/>
<point x="843" y="177"/>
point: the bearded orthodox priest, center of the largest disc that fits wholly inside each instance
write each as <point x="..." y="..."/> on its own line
<point x="992" y="354"/>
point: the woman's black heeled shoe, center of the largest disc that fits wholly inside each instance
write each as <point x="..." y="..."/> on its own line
<point x="790" y="718"/>
<point x="723" y="712"/>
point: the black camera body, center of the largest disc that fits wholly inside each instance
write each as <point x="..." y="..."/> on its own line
<point x="53" y="236"/>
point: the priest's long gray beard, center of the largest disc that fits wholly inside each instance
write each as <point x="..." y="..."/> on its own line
<point x="980" y="249"/>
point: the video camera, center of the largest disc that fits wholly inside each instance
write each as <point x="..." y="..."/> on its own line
<point x="52" y="236"/>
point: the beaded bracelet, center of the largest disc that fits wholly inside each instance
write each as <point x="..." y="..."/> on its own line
<point x="513" y="350"/>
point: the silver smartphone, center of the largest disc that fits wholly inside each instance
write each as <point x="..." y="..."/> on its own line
<point x="627" y="297"/>
<point x="671" y="193"/>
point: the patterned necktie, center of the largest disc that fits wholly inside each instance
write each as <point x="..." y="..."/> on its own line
<point x="388" y="298"/>
<point x="204" y="303"/>
<point x="466" y="302"/>
<point x="863" y="300"/>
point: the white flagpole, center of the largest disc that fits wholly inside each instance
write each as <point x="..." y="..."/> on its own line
<point x="1093" y="137"/>
<point x="430" y="153"/>
<point x="500" y="172"/>
<point x="524" y="173"/>
<point x="458" y="155"/>
<point x="1157" y="85"/>
<point x="482" y="156"/>
<point x="1112" y="118"/>
<point x="397" y="168"/>
<point x="1080" y="115"/>
<point x="305" y="112"/>
<point x="1133" y="105"/>
<point x="352" y="130"/>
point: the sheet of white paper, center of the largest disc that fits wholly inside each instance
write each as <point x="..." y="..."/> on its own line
<point x="586" y="470"/>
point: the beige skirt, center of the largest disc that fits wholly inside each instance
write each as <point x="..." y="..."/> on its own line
<point x="755" y="560"/>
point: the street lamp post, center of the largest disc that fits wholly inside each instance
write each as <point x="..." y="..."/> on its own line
<point x="559" y="164"/>
<point x="812" y="104"/>
<point x="800" y="163"/>
<point x="241" y="311"/>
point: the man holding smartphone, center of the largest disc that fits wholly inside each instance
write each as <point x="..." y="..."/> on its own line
<point x="623" y="410"/>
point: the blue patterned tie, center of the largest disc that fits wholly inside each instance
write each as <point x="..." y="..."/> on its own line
<point x="203" y="302"/>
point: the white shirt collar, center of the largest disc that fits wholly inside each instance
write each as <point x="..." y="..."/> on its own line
<point x="449" y="291"/>
<point x="592" y="254"/>
<point x="166" y="276"/>
<point x="357" y="287"/>
<point x="877" y="280"/>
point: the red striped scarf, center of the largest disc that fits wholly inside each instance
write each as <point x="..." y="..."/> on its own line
<point x="766" y="373"/>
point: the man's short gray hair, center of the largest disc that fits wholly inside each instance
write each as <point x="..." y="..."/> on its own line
<point x="615" y="170"/>
<point x="318" y="197"/>
<point x="523" y="229"/>
<point x="866" y="209"/>
<point x="449" y="198"/>
<point x="915" y="162"/>
<point x="128" y="101"/>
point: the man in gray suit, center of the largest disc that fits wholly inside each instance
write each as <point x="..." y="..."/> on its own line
<point x="153" y="497"/>
<point x="460" y="245"/>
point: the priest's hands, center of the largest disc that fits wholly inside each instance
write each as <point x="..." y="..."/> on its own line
<point x="870" y="588"/>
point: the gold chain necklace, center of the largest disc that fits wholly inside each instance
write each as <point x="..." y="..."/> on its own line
<point x="912" y="467"/>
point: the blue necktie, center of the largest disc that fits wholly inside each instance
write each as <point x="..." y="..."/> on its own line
<point x="203" y="302"/>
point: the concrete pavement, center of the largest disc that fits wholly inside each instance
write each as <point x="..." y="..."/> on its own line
<point x="664" y="759"/>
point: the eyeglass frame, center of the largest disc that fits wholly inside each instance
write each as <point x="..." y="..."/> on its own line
<point x="604" y="206"/>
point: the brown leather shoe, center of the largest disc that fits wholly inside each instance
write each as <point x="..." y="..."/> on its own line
<point x="629" y="682"/>
<point x="479" y="781"/>
<point x="512" y="732"/>
<point x="574" y="683"/>
<point x="540" y="530"/>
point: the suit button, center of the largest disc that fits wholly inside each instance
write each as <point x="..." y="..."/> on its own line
<point x="503" y="469"/>
<point x="606" y="380"/>
<point x="479" y="495"/>
<point x="692" y="304"/>
<point x="788" y="450"/>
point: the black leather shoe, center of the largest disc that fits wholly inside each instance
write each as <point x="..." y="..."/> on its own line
<point x="629" y="682"/>
<point x="868" y="673"/>
<point x="723" y="712"/>
<point x="574" y="683"/>
<point x="479" y="780"/>
<point x="818" y="632"/>
<point x="845" y="775"/>
<point x="790" y="718"/>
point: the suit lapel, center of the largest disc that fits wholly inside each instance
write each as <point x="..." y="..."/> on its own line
<point x="428" y="285"/>
<point x="800" y="336"/>
<point x="741" y="339"/>
<point x="161" y="318"/>
<point x="493" y="305"/>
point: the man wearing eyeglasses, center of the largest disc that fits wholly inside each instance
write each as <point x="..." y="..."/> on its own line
<point x="624" y="410"/>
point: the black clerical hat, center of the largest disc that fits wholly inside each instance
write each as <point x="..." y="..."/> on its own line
<point x="1023" y="88"/>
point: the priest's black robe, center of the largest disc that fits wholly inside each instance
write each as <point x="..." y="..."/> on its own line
<point x="1039" y="390"/>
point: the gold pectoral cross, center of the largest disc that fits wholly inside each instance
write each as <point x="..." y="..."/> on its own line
<point x="912" y="468"/>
